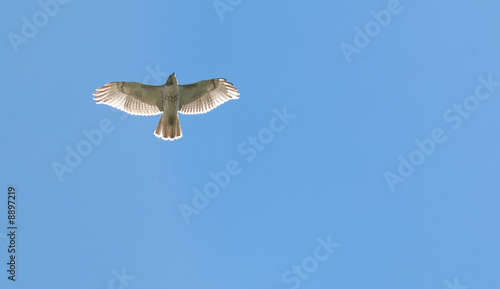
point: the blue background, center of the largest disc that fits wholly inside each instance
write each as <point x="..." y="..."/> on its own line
<point x="322" y="176"/>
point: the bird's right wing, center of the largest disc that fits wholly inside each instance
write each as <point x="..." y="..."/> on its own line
<point x="205" y="95"/>
<point x="131" y="97"/>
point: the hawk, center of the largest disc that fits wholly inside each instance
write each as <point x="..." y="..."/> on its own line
<point x="141" y="99"/>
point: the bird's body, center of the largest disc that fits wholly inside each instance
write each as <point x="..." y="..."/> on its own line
<point x="169" y="126"/>
<point x="170" y="98"/>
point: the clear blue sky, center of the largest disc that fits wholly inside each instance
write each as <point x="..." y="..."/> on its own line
<point x="364" y="151"/>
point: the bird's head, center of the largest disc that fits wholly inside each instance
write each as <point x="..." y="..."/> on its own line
<point x="172" y="79"/>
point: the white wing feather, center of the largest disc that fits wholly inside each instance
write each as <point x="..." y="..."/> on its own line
<point x="203" y="96"/>
<point x="131" y="97"/>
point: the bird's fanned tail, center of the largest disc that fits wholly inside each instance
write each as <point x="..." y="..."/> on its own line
<point x="169" y="127"/>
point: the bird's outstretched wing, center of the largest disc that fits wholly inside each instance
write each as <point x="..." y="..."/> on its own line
<point x="132" y="97"/>
<point x="205" y="95"/>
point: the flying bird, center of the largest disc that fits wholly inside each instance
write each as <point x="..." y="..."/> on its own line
<point x="168" y="99"/>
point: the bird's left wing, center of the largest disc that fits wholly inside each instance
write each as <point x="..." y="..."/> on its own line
<point x="132" y="97"/>
<point x="205" y="95"/>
